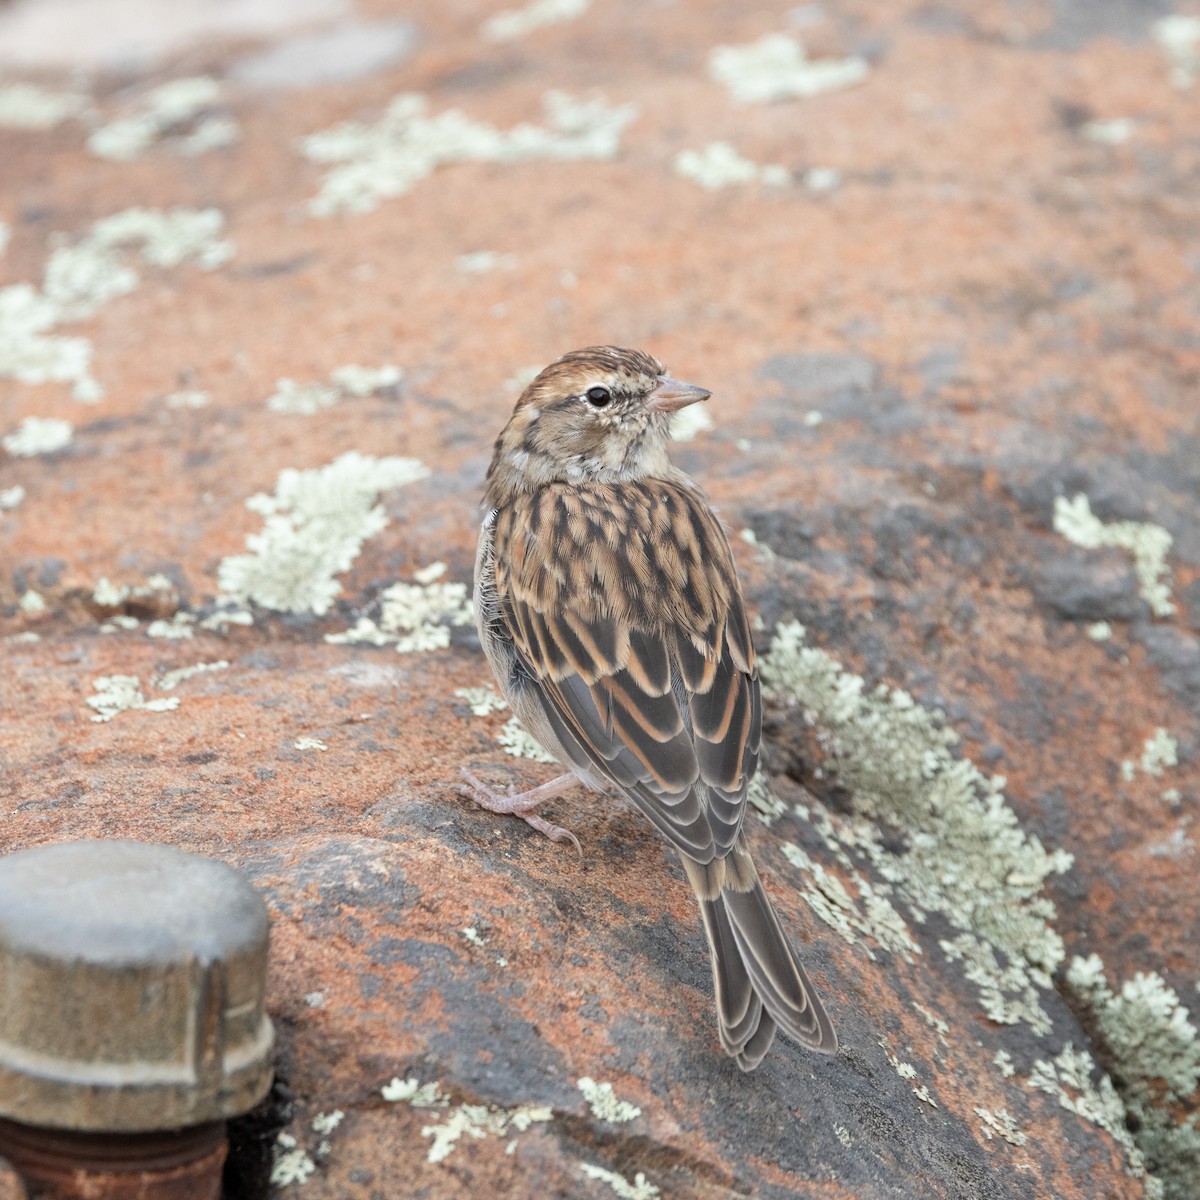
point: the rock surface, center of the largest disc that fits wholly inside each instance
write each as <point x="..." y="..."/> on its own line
<point x="944" y="289"/>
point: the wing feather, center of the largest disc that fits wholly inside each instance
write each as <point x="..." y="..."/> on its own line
<point x="636" y="642"/>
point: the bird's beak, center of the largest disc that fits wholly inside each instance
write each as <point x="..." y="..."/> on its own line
<point x="671" y="395"/>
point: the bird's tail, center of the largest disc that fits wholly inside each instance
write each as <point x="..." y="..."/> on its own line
<point x="759" y="982"/>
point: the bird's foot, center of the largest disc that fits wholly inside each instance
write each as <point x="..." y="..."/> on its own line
<point x="521" y="804"/>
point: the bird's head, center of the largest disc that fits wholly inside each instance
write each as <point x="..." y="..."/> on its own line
<point x="601" y="414"/>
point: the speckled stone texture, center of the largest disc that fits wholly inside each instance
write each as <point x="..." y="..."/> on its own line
<point x="974" y="296"/>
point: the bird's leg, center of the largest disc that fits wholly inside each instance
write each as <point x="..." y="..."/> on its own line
<point x="521" y="804"/>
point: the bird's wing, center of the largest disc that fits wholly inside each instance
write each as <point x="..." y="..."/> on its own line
<point x="623" y="604"/>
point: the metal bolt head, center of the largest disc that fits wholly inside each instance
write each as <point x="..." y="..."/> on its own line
<point x="132" y="981"/>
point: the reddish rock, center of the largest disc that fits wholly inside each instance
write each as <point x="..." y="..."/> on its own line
<point x="993" y="306"/>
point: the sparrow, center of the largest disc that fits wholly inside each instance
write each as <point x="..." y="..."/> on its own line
<point x="609" y="608"/>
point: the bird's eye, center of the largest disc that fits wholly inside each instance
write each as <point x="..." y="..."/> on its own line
<point x="598" y="397"/>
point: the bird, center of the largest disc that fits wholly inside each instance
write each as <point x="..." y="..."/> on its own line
<point x="610" y="611"/>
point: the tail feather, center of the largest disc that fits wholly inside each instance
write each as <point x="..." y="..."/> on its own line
<point x="745" y="1028"/>
<point x="757" y="977"/>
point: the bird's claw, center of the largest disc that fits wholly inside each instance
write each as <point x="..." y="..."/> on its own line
<point x="515" y="804"/>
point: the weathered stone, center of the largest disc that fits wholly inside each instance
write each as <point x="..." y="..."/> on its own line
<point x="975" y="300"/>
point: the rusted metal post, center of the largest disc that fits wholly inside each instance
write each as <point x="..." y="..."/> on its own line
<point x="132" y="981"/>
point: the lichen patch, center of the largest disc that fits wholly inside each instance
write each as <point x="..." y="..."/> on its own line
<point x="81" y="277"/>
<point x="412" y="617"/>
<point x="116" y="694"/>
<point x="517" y="22"/>
<point x="964" y="854"/>
<point x="640" y="1189"/>
<point x="604" y="1103"/>
<point x="315" y="523"/>
<point x="371" y="163"/>
<point x="719" y="165"/>
<point x="1149" y="545"/>
<point x="28" y="106"/>
<point x="38" y="435"/>
<point x="777" y="68"/>
<point x="180" y="114"/>
<point x="306" y="399"/>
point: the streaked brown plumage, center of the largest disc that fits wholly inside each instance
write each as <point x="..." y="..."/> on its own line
<point x="609" y="608"/>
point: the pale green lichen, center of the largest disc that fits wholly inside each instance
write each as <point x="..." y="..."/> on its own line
<point x="1068" y="1077"/>
<point x="464" y="1120"/>
<point x="640" y="1189"/>
<point x="479" y="262"/>
<point x="168" y="681"/>
<point x="27" y="106"/>
<point x="1159" y="752"/>
<point x="116" y="694"/>
<point x="375" y="162"/>
<point x="964" y="855"/>
<point x="819" y="180"/>
<point x="173" y="112"/>
<point x="1149" y="545"/>
<point x="324" y="1123"/>
<point x="81" y="277"/>
<point x="480" y="1121"/>
<point x="178" y="628"/>
<point x="291" y="1163"/>
<point x="517" y="22"/>
<point x="1179" y="36"/>
<point x="223" y="618"/>
<point x="306" y="399"/>
<point x="11" y="497"/>
<point x="119" y="622"/>
<point x="719" y="165"/>
<point x="520" y="379"/>
<point x="30" y="354"/>
<point x="689" y="422"/>
<point x="1109" y="133"/>
<point x="1100" y="631"/>
<point x="871" y="914"/>
<point x="414" y="1093"/>
<point x="303" y="399"/>
<point x="354" y="380"/>
<point x="998" y="1122"/>
<point x="316" y="521"/>
<point x="482" y="701"/>
<point x="767" y="806"/>
<point x="763" y="551"/>
<point x="187" y="398"/>
<point x="38" y="435"/>
<point x="604" y="1103"/>
<point x="309" y="743"/>
<point x="512" y="737"/>
<point x="1152" y="1049"/>
<point x="776" y="68"/>
<point x="413" y="617"/>
<point x="107" y="594"/>
<point x="908" y="1073"/>
<point x="940" y="1027"/>
<point x="520" y="744"/>
<point x="1008" y="992"/>
<point x="966" y="859"/>
<point x="32" y="603"/>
